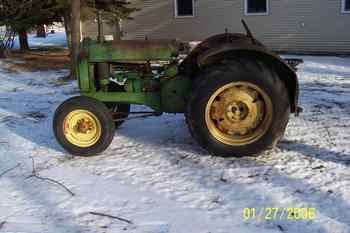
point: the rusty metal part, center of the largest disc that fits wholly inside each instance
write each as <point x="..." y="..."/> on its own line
<point x="139" y="45"/>
<point x="84" y="125"/>
<point x="131" y="50"/>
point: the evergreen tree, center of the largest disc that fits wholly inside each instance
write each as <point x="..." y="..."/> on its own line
<point x="113" y="12"/>
<point x="24" y="15"/>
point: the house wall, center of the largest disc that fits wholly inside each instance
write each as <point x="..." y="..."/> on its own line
<point x="90" y="29"/>
<point x="291" y="25"/>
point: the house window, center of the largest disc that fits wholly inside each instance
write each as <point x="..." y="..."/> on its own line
<point x="184" y="8"/>
<point x="256" y="7"/>
<point x="345" y="6"/>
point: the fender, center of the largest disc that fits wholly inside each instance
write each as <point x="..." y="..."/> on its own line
<point x="230" y="46"/>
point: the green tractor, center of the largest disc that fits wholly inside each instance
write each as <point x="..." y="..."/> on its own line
<point x="236" y="94"/>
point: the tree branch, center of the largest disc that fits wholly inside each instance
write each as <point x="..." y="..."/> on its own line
<point x="10" y="169"/>
<point x="34" y="174"/>
<point x="111" y="216"/>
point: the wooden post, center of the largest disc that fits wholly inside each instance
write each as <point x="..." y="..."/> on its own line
<point x="75" y="27"/>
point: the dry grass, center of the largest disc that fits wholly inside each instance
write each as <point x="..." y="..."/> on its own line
<point x="39" y="60"/>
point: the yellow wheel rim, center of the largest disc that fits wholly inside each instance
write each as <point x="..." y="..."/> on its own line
<point x="82" y="128"/>
<point x="238" y="113"/>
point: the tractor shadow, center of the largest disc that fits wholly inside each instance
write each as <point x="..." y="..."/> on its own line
<point x="170" y="131"/>
<point x="316" y="152"/>
<point x="214" y="175"/>
<point x="27" y="109"/>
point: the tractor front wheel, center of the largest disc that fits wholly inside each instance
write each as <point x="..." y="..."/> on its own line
<point x="239" y="108"/>
<point x="83" y="126"/>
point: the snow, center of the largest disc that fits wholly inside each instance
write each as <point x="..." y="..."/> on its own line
<point x="155" y="175"/>
<point x="58" y="40"/>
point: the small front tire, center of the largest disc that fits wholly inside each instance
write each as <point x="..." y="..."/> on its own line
<point x="83" y="126"/>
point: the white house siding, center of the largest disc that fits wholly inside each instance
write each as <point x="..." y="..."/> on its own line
<point x="291" y="25"/>
<point x="90" y="29"/>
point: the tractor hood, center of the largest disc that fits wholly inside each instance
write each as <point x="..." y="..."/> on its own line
<point x="130" y="50"/>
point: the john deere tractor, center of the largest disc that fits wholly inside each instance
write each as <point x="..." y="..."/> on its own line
<point x="235" y="93"/>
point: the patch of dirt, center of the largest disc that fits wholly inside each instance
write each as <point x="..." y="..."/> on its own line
<point x="39" y="60"/>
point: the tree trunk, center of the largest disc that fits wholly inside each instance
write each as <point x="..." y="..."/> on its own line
<point x="23" y="40"/>
<point x="67" y="26"/>
<point x="118" y="30"/>
<point x="75" y="27"/>
<point x="100" y="33"/>
<point x="2" y="53"/>
<point x="41" y="31"/>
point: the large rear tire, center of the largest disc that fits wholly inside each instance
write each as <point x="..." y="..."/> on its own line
<point x="83" y="126"/>
<point x="239" y="108"/>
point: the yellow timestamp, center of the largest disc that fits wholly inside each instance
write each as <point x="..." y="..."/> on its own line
<point x="275" y="213"/>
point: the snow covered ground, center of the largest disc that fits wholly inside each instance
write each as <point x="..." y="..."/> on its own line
<point x="155" y="175"/>
<point x="58" y="39"/>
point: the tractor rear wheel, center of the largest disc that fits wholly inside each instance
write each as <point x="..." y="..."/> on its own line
<point x="83" y="126"/>
<point x="239" y="108"/>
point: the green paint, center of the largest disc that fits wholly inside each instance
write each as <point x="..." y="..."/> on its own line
<point x="104" y="82"/>
<point x="171" y="71"/>
<point x="83" y="74"/>
<point x="130" y="51"/>
<point x="174" y="94"/>
<point x="151" y="100"/>
<point x="167" y="93"/>
<point x="91" y="78"/>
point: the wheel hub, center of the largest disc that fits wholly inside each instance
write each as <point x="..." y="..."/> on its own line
<point x="82" y="128"/>
<point x="238" y="113"/>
